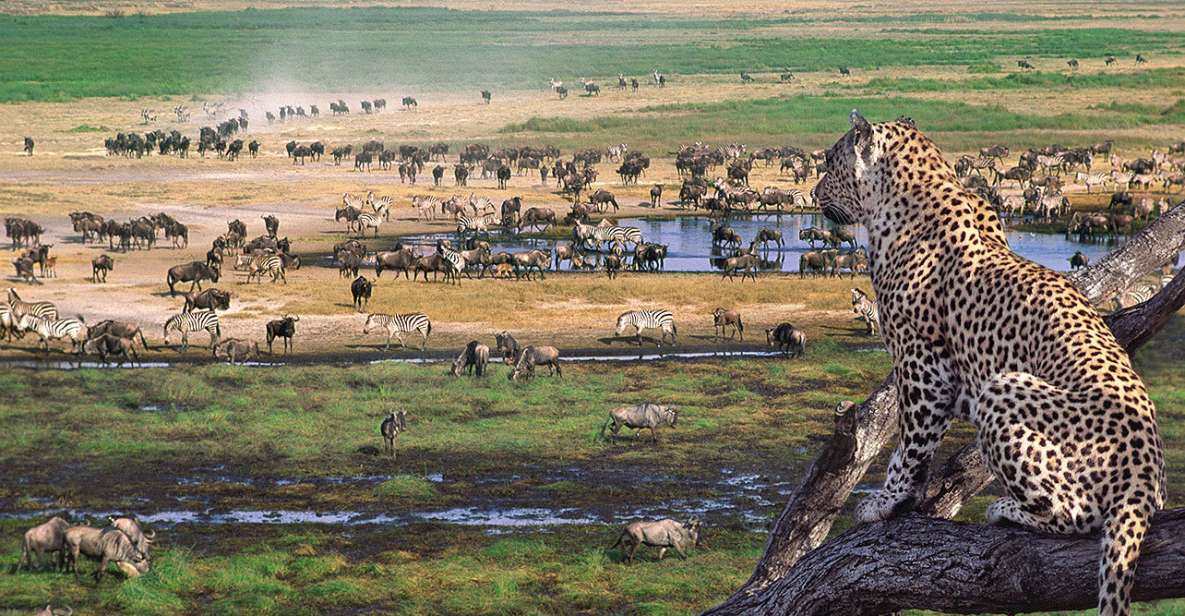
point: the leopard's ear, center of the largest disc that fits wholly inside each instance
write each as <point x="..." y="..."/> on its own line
<point x="863" y="128"/>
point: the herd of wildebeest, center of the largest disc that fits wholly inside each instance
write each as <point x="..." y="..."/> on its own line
<point x="1038" y="179"/>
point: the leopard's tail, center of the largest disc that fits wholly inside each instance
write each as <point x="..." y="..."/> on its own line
<point x="1123" y="533"/>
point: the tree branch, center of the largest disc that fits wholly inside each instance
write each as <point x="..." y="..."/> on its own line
<point x="926" y="563"/>
<point x="863" y="430"/>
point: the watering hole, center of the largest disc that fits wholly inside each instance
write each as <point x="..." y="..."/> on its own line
<point x="690" y="249"/>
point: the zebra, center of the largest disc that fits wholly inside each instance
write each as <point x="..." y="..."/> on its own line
<point x="1135" y="296"/>
<point x="44" y="310"/>
<point x="399" y="324"/>
<point x="427" y="206"/>
<point x="455" y="259"/>
<point x="476" y="224"/>
<point x="267" y="264"/>
<point x="647" y="319"/>
<point x="381" y="206"/>
<point x="612" y="233"/>
<point x="187" y="322"/>
<point x="366" y="220"/>
<point x="349" y="200"/>
<point x="55" y="329"/>
<point x="866" y="310"/>
<point x="481" y="205"/>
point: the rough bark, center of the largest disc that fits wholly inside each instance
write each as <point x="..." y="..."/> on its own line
<point x="863" y="430"/>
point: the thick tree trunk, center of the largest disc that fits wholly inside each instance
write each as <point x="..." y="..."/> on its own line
<point x="863" y="430"/>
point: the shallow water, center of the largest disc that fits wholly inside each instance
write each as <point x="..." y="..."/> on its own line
<point x="690" y="242"/>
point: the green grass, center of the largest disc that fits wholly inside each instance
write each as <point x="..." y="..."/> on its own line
<point x="65" y="57"/>
<point x="815" y="120"/>
<point x="1160" y="78"/>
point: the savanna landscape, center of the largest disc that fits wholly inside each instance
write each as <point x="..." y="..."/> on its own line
<point x="671" y="135"/>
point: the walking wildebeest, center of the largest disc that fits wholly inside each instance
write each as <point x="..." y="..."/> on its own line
<point x="193" y="273"/>
<point x="282" y="328"/>
<point x="100" y="265"/>
<point x="399" y="260"/>
<point x="789" y="340"/>
<point x="392" y="426"/>
<point x="106" y="545"/>
<point x="486" y="96"/>
<point x="663" y="534"/>
<point x="642" y="417"/>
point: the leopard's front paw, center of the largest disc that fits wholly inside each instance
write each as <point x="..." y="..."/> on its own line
<point x="882" y="506"/>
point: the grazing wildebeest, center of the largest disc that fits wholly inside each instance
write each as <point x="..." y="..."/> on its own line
<point x="1079" y="261"/>
<point x="724" y="235"/>
<point x="107" y="346"/>
<point x="361" y="289"/>
<point x="236" y="351"/>
<point x="392" y="426"/>
<point x="537" y="356"/>
<point x="120" y="329"/>
<point x="282" y="328"/>
<point x="486" y="96"/>
<point x="106" y="545"/>
<point x="722" y="318"/>
<point x="210" y="299"/>
<point x="641" y="417"/>
<point x="43" y="539"/>
<point x="843" y="70"/>
<point x="789" y="340"/>
<point x="194" y="273"/>
<point x="663" y="534"/>
<point x="100" y="265"/>
<point x="475" y="357"/>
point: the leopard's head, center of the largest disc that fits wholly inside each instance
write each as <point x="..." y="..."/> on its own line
<point x="844" y="191"/>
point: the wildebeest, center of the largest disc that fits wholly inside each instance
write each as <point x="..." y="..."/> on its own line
<point x="281" y="328"/>
<point x="536" y="356"/>
<point x="486" y="96"/>
<point x="132" y="529"/>
<point x="100" y="265"/>
<point x="194" y="273"/>
<point x="642" y="417"/>
<point x="663" y="534"/>
<point x="361" y="289"/>
<point x="537" y="218"/>
<point x="392" y="426"/>
<point x="236" y="350"/>
<point x="272" y="224"/>
<point x="1079" y="261"/>
<point x="399" y="260"/>
<point x="475" y="357"/>
<point x="210" y="299"/>
<point x="29" y="146"/>
<point x="107" y="545"/>
<point x="746" y="264"/>
<point x="45" y="538"/>
<point x="815" y="262"/>
<point x="410" y="103"/>
<point x="789" y="340"/>
<point x="120" y="329"/>
<point x="767" y="235"/>
<point x="724" y="235"/>
<point x="722" y="318"/>
<point x="107" y="346"/>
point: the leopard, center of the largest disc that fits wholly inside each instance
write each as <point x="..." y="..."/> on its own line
<point x="979" y="334"/>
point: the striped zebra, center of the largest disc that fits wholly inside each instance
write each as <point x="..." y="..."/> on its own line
<point x="366" y="220"/>
<point x="380" y="206"/>
<point x="1055" y="163"/>
<point x="188" y="322"/>
<point x="482" y="206"/>
<point x="20" y="308"/>
<point x="866" y="310"/>
<point x="349" y="200"/>
<point x="399" y="324"/>
<point x="615" y="233"/>
<point x="456" y="260"/>
<point x="426" y="206"/>
<point x="475" y="224"/>
<point x="1135" y="297"/>
<point x="647" y="319"/>
<point x="267" y="264"/>
<point x="7" y="322"/>
<point x="1092" y="179"/>
<point x="55" y="329"/>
